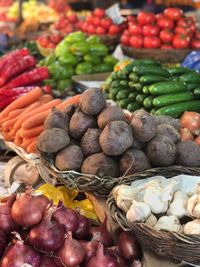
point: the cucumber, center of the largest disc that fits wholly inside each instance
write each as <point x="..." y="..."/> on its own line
<point x="170" y="87"/>
<point x="177" y="109"/>
<point x="123" y="83"/>
<point x="165" y="100"/>
<point x="151" y="78"/>
<point x="145" y="90"/>
<point x="124" y="103"/>
<point x="146" y="62"/>
<point x="114" y="76"/>
<point x="178" y="70"/>
<point x="197" y="91"/>
<point x="143" y="70"/>
<point x="192" y="86"/>
<point x="133" y="77"/>
<point x="123" y="94"/>
<point x="148" y="102"/>
<point x="192" y="77"/>
<point x="113" y="93"/>
<point x="133" y="106"/>
<point x="136" y="86"/>
<point x="132" y="96"/>
<point x="121" y="75"/>
<point x="115" y="83"/>
<point x="140" y="98"/>
<point x="153" y="111"/>
<point x="131" y="84"/>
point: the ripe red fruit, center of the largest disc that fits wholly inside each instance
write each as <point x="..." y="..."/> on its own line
<point x="135" y="29"/>
<point x="99" y="12"/>
<point x="124" y="40"/>
<point x="89" y="19"/>
<point x="100" y="30"/>
<point x="166" y="46"/>
<point x="165" y="23"/>
<point x="195" y="43"/>
<point x="181" y="41"/>
<point x="97" y="21"/>
<point x="144" y="18"/>
<point x="166" y="36"/>
<point x="173" y="13"/>
<point x="43" y="41"/>
<point x="72" y="18"/>
<point x="114" y="30"/>
<point x="182" y="30"/>
<point x="150" y="30"/>
<point x="126" y="32"/>
<point x="91" y="29"/>
<point x="136" y="41"/>
<point x="106" y="23"/>
<point x="152" y="42"/>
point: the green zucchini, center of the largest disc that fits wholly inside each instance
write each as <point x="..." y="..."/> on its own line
<point x="132" y="96"/>
<point x="133" y="77"/>
<point x="113" y="92"/>
<point x="115" y="83"/>
<point x="192" y="77"/>
<point x="151" y="78"/>
<point x="175" y="110"/>
<point x="124" y="103"/>
<point x="121" y="75"/>
<point x="133" y="106"/>
<point x="123" y="94"/>
<point x="123" y="83"/>
<point x="169" y="87"/>
<point x="136" y="86"/>
<point x="143" y="70"/>
<point x="192" y="86"/>
<point x="148" y="102"/>
<point x="140" y="98"/>
<point x="146" y="62"/>
<point x="178" y="70"/>
<point x="114" y="76"/>
<point x="165" y="100"/>
<point x="145" y="90"/>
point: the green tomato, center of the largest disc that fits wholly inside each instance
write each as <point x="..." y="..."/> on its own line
<point x="68" y="58"/>
<point x="94" y="39"/>
<point x="64" y="84"/>
<point x="84" y="68"/>
<point x="75" y="37"/>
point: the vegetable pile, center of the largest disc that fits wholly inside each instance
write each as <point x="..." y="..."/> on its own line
<point x="176" y="209"/>
<point x="19" y="75"/>
<point x="48" y="235"/>
<point x="162" y="91"/>
<point x="77" y="54"/>
<point x="23" y="120"/>
<point x="167" y="30"/>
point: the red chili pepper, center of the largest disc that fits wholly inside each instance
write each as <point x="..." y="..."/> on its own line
<point x="16" y="91"/>
<point x="47" y="89"/>
<point x="14" y="69"/>
<point x="5" y="102"/>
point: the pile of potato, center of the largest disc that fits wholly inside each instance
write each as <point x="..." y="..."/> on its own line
<point x="97" y="138"/>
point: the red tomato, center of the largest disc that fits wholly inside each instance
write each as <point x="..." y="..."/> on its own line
<point x="135" y="29"/>
<point x="195" y="43"/>
<point x="182" y="30"/>
<point x="131" y="19"/>
<point x="192" y="27"/>
<point x="152" y="42"/>
<point x="136" y="41"/>
<point x="159" y="16"/>
<point x="100" y="30"/>
<point x="123" y="26"/>
<point x="197" y="35"/>
<point x="150" y="30"/>
<point x="126" y="32"/>
<point x="191" y="19"/>
<point x="166" y="46"/>
<point x="164" y="23"/>
<point x="72" y="18"/>
<point x="89" y="19"/>
<point x="84" y="26"/>
<point x="91" y="29"/>
<point x="182" y="23"/>
<point x="181" y="41"/>
<point x="114" y="30"/>
<point x="55" y="38"/>
<point x="97" y="21"/>
<point x="43" y="41"/>
<point x="125" y="39"/>
<point x="166" y="36"/>
<point x="99" y="12"/>
<point x="106" y="23"/>
<point x="173" y="13"/>
<point x="51" y="45"/>
<point x="144" y="18"/>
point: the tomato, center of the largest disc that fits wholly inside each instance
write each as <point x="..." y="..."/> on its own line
<point x="136" y="41"/>
<point x="72" y="18"/>
<point x="99" y="12"/>
<point x="166" y="46"/>
<point x="91" y="29"/>
<point x="135" y="29"/>
<point x="97" y="21"/>
<point x="84" y="26"/>
<point x="166" y="36"/>
<point x="195" y="43"/>
<point x="144" y="18"/>
<point x="55" y="38"/>
<point x="182" y="30"/>
<point x="182" y="23"/>
<point x="150" y="30"/>
<point x="100" y="30"/>
<point x="173" y="13"/>
<point x="51" y="45"/>
<point x="43" y="41"/>
<point x="126" y="32"/>
<point x="114" y="30"/>
<point x="192" y="27"/>
<point x="125" y="39"/>
<point x="152" y="42"/>
<point x="191" y="19"/>
<point x="159" y="16"/>
<point x="181" y="41"/>
<point x="197" y="35"/>
<point x="131" y="18"/>
<point x="164" y="23"/>
<point x="106" y="23"/>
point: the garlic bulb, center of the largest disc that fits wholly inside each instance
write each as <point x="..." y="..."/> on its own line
<point x="152" y="220"/>
<point x="138" y="212"/>
<point x="179" y="205"/>
<point x="169" y="223"/>
<point x="192" y="228"/>
<point x="193" y="205"/>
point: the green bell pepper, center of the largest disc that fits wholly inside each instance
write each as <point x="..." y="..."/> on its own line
<point x="94" y="39"/>
<point x="80" y="48"/>
<point x="99" y="49"/>
<point x="110" y="60"/>
<point x="92" y="58"/>
<point x="64" y="84"/>
<point x="61" y="48"/>
<point x="103" y="67"/>
<point x="84" y="68"/>
<point x="68" y="58"/>
<point x="59" y="72"/>
<point x="75" y="37"/>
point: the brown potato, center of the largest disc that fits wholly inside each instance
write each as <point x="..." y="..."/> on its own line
<point x="188" y="154"/>
<point x="132" y="161"/>
<point x="90" y="142"/>
<point x="70" y="158"/>
<point x="161" y="151"/>
<point x="169" y="131"/>
<point x="165" y="119"/>
<point x="108" y="114"/>
<point x="52" y="140"/>
<point x="100" y="165"/>
<point x="92" y="101"/>
<point x="79" y="124"/>
<point x="144" y="125"/>
<point x="116" y="137"/>
<point x="56" y="119"/>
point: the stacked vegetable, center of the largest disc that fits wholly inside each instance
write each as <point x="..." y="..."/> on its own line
<point x="23" y="120"/>
<point x="148" y="84"/>
<point x="77" y="54"/>
<point x="47" y="235"/>
<point x="19" y="75"/>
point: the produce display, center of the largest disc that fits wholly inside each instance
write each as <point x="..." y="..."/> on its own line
<point x="49" y="235"/>
<point x="77" y="55"/>
<point x="160" y="90"/>
<point x="168" y="30"/>
<point x="175" y="201"/>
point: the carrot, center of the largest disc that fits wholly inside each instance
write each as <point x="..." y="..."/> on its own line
<point x="35" y="120"/>
<point x="7" y="125"/>
<point x="7" y="136"/>
<point x="15" y="113"/>
<point x="45" y="99"/>
<point x="18" y="140"/>
<point x="73" y="100"/>
<point x="35" y="131"/>
<point x="23" y="101"/>
<point x="28" y="141"/>
<point x="32" y="147"/>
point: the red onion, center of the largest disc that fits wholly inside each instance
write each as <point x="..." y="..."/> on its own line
<point x="102" y="260"/>
<point x="48" y="235"/>
<point x="136" y="264"/>
<point x="47" y="262"/>
<point x="128" y="246"/>
<point x="28" y="209"/>
<point x="3" y="242"/>
<point x="67" y="217"/>
<point x="114" y="251"/>
<point x="19" y="254"/>
<point x="6" y="222"/>
<point x="90" y="248"/>
<point x="83" y="227"/>
<point x="71" y="254"/>
<point x="102" y="235"/>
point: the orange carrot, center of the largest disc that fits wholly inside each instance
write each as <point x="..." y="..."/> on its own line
<point x="7" y="136"/>
<point x="28" y="141"/>
<point x="7" y="125"/>
<point x="23" y="101"/>
<point x="35" y="120"/>
<point x="73" y="100"/>
<point x="35" y="131"/>
<point x="18" y="140"/>
<point x="45" y="99"/>
<point x="32" y="147"/>
<point x="15" y="113"/>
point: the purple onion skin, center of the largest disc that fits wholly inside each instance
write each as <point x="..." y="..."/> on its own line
<point x="47" y="262"/>
<point x="90" y="248"/>
<point x="3" y="242"/>
<point x="83" y="227"/>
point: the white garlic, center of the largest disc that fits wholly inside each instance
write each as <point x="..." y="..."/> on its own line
<point x="169" y="223"/>
<point x="179" y="205"/>
<point x="152" y="220"/>
<point x="138" y="212"/>
<point x="192" y="228"/>
<point x="193" y="205"/>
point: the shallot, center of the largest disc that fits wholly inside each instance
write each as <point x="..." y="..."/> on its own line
<point x="186" y="135"/>
<point x="90" y="248"/>
<point x="83" y="227"/>
<point x="191" y="121"/>
<point x="128" y="246"/>
<point x="47" y="262"/>
<point x="3" y="242"/>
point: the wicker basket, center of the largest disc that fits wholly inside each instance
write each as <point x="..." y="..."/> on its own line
<point x="165" y="56"/>
<point x="176" y="246"/>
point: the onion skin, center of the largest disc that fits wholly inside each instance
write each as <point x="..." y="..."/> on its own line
<point x="186" y="135"/>
<point x="3" y="242"/>
<point x="6" y="222"/>
<point x="71" y="254"/>
<point x="191" y="121"/>
<point x="128" y="246"/>
<point x="83" y="227"/>
<point x="48" y="235"/>
<point x="114" y="251"/>
<point x="29" y="210"/>
<point x="90" y="248"/>
<point x="67" y="217"/>
<point x="47" y="262"/>
<point x="19" y="254"/>
<point x="197" y="140"/>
